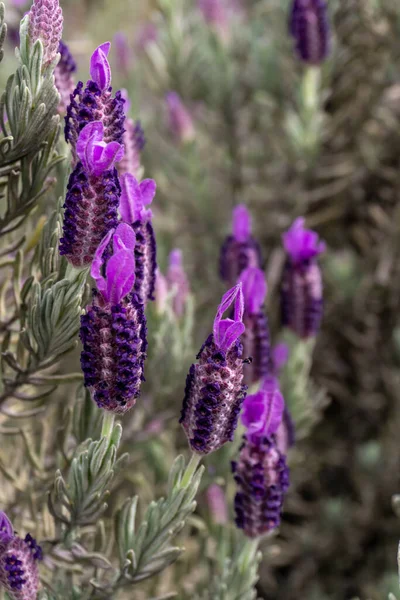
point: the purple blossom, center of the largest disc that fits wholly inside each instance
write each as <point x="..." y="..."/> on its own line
<point x="214" y="391"/>
<point x="19" y="575"/>
<point x="135" y="197"/>
<point x="254" y="286"/>
<point x="280" y="356"/>
<point x="63" y="75"/>
<point x="216" y="15"/>
<point x="180" y="121"/>
<point x="94" y="102"/>
<point x="113" y="330"/>
<point x="240" y="250"/>
<point x="309" y="26"/>
<point x="302" y="290"/>
<point x="134" y="142"/>
<point x="160" y="292"/>
<point x="263" y="411"/>
<point x="124" y="53"/>
<point x="285" y="435"/>
<point x="92" y="198"/>
<point x="216" y="501"/>
<point x="46" y="24"/>
<point x="146" y="34"/>
<point x="178" y="282"/>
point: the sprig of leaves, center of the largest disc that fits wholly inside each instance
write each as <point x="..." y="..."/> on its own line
<point x="3" y="30"/>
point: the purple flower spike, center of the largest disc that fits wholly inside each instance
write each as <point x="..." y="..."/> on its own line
<point x="46" y="24"/>
<point x="301" y="291"/>
<point x="262" y="477"/>
<point x="180" y="121"/>
<point x="135" y="196"/>
<point x="63" y="76"/>
<point x="309" y="26"/>
<point x="100" y="70"/>
<point x="113" y="330"/>
<point x="240" y="250"/>
<point x="178" y="282"/>
<point x="92" y="198"/>
<point x="214" y="391"/>
<point x="19" y="575"/>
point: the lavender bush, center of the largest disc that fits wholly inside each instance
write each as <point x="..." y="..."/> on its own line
<point x="264" y="136"/>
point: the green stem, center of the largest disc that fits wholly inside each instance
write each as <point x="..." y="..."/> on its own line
<point x="248" y="554"/>
<point x="108" y="424"/>
<point x="190" y="470"/>
<point x="310" y="89"/>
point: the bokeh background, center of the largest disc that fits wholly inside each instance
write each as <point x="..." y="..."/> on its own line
<point x="241" y="83"/>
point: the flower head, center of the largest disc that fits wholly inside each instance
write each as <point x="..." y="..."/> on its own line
<point x="180" y="121"/>
<point x="254" y="286"/>
<point x="46" y="24"/>
<point x="124" y="53"/>
<point x="302" y="244"/>
<point x="214" y="391"/>
<point x="135" y="197"/>
<point x="309" y="26"/>
<point x="100" y="70"/>
<point x="63" y="75"/>
<point x="178" y="282"/>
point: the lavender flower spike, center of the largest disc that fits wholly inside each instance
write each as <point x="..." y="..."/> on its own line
<point x="180" y="121"/>
<point x="261" y="472"/>
<point x="19" y="575"/>
<point x="92" y="199"/>
<point x="178" y="282"/>
<point x="301" y="291"/>
<point x="215" y="14"/>
<point x="46" y="24"/>
<point x="135" y="198"/>
<point x="63" y="77"/>
<point x="94" y="102"/>
<point x="256" y="339"/>
<point x="240" y="250"/>
<point x="113" y="330"/>
<point x="309" y="27"/>
<point x="214" y="392"/>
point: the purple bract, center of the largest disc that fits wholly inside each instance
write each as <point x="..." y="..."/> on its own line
<point x="309" y="26"/>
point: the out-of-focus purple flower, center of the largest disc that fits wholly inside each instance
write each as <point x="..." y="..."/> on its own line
<point x="124" y="52"/>
<point x="146" y="34"/>
<point x="63" y="76"/>
<point x="256" y="338"/>
<point x="113" y="330"/>
<point x="46" y="25"/>
<point x="19" y="2"/>
<point x="134" y="142"/>
<point x="216" y="15"/>
<point x="216" y="501"/>
<point x="161" y="292"/>
<point x="214" y="391"/>
<point x="309" y="26"/>
<point x="280" y="356"/>
<point x="178" y="282"/>
<point x="19" y="575"/>
<point x="95" y="103"/>
<point x="240" y="250"/>
<point x="285" y="435"/>
<point x="301" y="291"/>
<point x="180" y="120"/>
<point x="135" y="198"/>
<point x="92" y="198"/>
<point x="262" y="477"/>
<point x="263" y="411"/>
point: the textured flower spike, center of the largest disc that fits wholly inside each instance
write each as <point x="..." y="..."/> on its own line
<point x="19" y="575"/>
<point x="178" y="282"/>
<point x="113" y="330"/>
<point x="214" y="392"/>
<point x="301" y="292"/>
<point x="135" y="198"/>
<point x="63" y="76"/>
<point x="92" y="199"/>
<point x="240" y="250"/>
<point x="94" y="102"/>
<point x="46" y="25"/>
<point x="309" y="26"/>
<point x="134" y="142"/>
<point x="256" y="339"/>
<point x="180" y="121"/>
<point x="261" y="472"/>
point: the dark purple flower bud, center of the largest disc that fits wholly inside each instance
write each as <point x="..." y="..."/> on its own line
<point x="92" y="198"/>
<point x="301" y="292"/>
<point x="180" y="120"/>
<point x="134" y="199"/>
<point x="309" y="27"/>
<point x="240" y="250"/>
<point x="256" y="338"/>
<point x="262" y="477"/>
<point x="113" y="330"/>
<point x="178" y="282"/>
<point x="46" y="24"/>
<point x="18" y="563"/>
<point x="63" y="76"/>
<point x="214" y="391"/>
<point x="95" y="103"/>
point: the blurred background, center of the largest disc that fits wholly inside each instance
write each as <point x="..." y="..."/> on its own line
<point x="254" y="134"/>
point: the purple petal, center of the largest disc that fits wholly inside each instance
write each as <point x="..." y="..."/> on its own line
<point x="120" y="275"/>
<point x="280" y="355"/>
<point x="105" y="157"/>
<point x="97" y="263"/>
<point x="275" y="405"/>
<point x="175" y="258"/>
<point x="254" y="412"/>
<point x="254" y="287"/>
<point x="124" y="237"/>
<point x="6" y="529"/>
<point x="227" y="332"/>
<point x="148" y="189"/>
<point x="100" y="70"/>
<point x="91" y="133"/>
<point x="127" y="102"/>
<point x="130" y="204"/>
<point x="302" y="244"/>
<point x="241" y="223"/>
